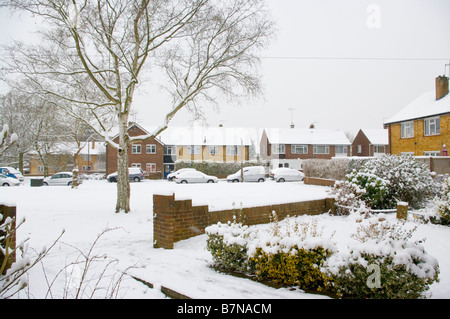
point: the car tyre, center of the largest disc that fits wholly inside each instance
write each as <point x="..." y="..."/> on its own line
<point x="281" y="180"/>
<point x="210" y="181"/>
<point x="137" y="179"/>
<point x="5" y="184"/>
<point x="260" y="180"/>
<point x="184" y="182"/>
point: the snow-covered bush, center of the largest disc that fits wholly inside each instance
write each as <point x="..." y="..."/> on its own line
<point x="287" y="253"/>
<point x="383" y="263"/>
<point x="441" y="204"/>
<point x="382" y="182"/>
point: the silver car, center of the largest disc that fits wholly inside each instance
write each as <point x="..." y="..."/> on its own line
<point x="195" y="177"/>
<point x="172" y="175"/>
<point x="250" y="174"/>
<point x="283" y="174"/>
<point x="60" y="179"/>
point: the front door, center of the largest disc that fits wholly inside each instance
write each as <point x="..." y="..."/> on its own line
<point x="168" y="168"/>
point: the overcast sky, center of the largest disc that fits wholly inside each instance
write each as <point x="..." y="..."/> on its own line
<point x="343" y="64"/>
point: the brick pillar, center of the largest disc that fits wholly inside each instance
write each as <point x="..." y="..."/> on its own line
<point x="5" y="212"/>
<point x="402" y="210"/>
<point x="163" y="221"/>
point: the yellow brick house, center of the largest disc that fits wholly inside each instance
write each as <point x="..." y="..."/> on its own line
<point x="422" y="128"/>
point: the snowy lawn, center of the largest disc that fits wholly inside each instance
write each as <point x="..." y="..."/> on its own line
<point x="86" y="212"/>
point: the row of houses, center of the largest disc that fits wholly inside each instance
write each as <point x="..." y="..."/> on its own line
<point x="419" y="129"/>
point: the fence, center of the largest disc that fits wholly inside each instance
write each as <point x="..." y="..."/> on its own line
<point x="176" y="220"/>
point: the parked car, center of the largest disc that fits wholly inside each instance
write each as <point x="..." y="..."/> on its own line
<point x="12" y="172"/>
<point x="284" y="174"/>
<point x="135" y="174"/>
<point x="251" y="174"/>
<point x="8" y="181"/>
<point x="172" y="175"/>
<point x="60" y="179"/>
<point x="195" y="177"/>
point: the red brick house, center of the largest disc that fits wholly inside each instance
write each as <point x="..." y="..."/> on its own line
<point x="148" y="155"/>
<point x="288" y="147"/>
<point x="371" y="142"/>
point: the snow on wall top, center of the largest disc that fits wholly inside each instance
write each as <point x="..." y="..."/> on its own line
<point x="307" y="136"/>
<point x="424" y="106"/>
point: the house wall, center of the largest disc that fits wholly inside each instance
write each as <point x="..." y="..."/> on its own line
<point x="143" y="158"/>
<point x="205" y="155"/>
<point x="419" y="143"/>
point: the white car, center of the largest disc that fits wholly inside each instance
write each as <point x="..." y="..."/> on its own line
<point x="195" y="177"/>
<point x="8" y="181"/>
<point x="172" y="175"/>
<point x="61" y="178"/>
<point x="250" y="174"/>
<point x="283" y="174"/>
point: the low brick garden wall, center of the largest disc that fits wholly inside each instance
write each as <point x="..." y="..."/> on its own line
<point x="176" y="220"/>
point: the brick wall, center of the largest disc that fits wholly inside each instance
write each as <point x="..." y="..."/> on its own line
<point x="175" y="220"/>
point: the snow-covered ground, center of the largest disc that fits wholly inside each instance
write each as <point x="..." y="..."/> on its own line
<point x="86" y="212"/>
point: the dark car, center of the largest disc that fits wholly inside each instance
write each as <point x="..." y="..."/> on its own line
<point x="135" y="173"/>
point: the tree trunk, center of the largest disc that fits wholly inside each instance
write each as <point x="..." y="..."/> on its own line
<point x="123" y="181"/>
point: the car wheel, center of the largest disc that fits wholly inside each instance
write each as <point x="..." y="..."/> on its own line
<point x="112" y="180"/>
<point x="281" y="180"/>
<point x="260" y="180"/>
<point x="69" y="184"/>
<point x="137" y="179"/>
<point x="210" y="181"/>
<point x="184" y="182"/>
<point x="5" y="184"/>
<point x="45" y="183"/>
<point x="235" y="181"/>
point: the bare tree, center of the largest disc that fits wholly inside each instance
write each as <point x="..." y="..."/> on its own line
<point x="94" y="53"/>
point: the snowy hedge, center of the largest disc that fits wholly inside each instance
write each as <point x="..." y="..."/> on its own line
<point x="382" y="182"/>
<point x="297" y="252"/>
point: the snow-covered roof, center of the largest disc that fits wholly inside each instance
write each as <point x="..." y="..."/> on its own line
<point x="200" y="135"/>
<point x="307" y="136"/>
<point x="91" y="148"/>
<point x="377" y="136"/>
<point x="424" y="106"/>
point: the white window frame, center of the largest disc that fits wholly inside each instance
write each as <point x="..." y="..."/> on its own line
<point x="150" y="149"/>
<point x="299" y="149"/>
<point x="170" y="150"/>
<point x="138" y="165"/>
<point x="432" y="153"/>
<point x="136" y="149"/>
<point x="278" y="149"/>
<point x="407" y="129"/>
<point x="193" y="149"/>
<point x="317" y="149"/>
<point x="379" y="148"/>
<point x="344" y="149"/>
<point x="232" y="150"/>
<point x="432" y="126"/>
<point x="150" y="167"/>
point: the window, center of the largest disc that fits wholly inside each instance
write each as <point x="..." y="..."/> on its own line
<point x="407" y="129"/>
<point x="359" y="149"/>
<point x="378" y="148"/>
<point x="193" y="149"/>
<point x="151" y="149"/>
<point x="150" y="168"/>
<point x="299" y="149"/>
<point x="321" y="149"/>
<point x="40" y="168"/>
<point x="432" y="153"/>
<point x="341" y="149"/>
<point x="138" y="165"/>
<point x="432" y="126"/>
<point x="136" y="149"/>
<point x="170" y="150"/>
<point x="232" y="150"/>
<point x="278" y="149"/>
<point x="213" y="150"/>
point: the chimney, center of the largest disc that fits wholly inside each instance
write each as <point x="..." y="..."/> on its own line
<point x="311" y="125"/>
<point x="292" y="125"/>
<point x="441" y="87"/>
